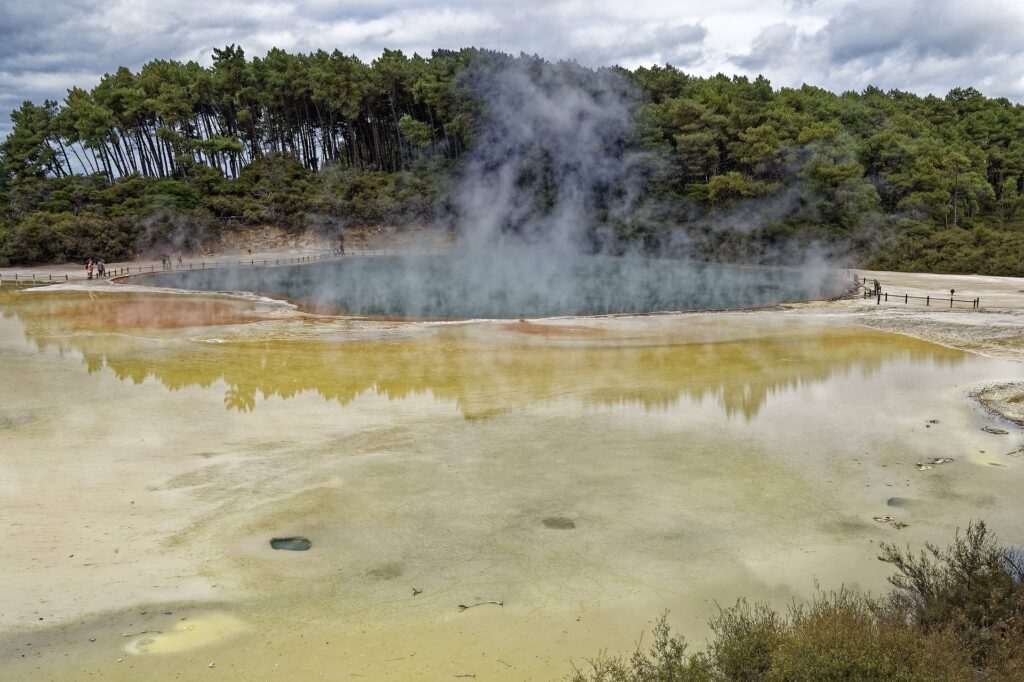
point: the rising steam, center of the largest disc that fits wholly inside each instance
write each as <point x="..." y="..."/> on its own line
<point x="551" y="161"/>
<point x="552" y="180"/>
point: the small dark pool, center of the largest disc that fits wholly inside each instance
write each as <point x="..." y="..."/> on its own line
<point x="511" y="285"/>
<point x="296" y="544"/>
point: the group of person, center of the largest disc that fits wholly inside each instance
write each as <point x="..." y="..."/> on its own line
<point x="874" y="287"/>
<point x="166" y="262"/>
<point x="95" y="268"/>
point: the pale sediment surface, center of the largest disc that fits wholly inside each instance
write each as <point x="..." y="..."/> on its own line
<point x="587" y="473"/>
<point x="996" y="328"/>
<point x="1004" y="399"/>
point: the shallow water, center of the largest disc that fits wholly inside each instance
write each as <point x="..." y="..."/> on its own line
<point x="587" y="473"/>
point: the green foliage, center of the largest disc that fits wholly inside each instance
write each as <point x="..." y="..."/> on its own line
<point x="735" y="186"/>
<point x="920" y="247"/>
<point x="280" y="188"/>
<point x="665" y="661"/>
<point x="955" y="613"/>
<point x="377" y="198"/>
<point x="415" y="133"/>
<point x="889" y="179"/>
<point x="59" y="237"/>
<point x="839" y="636"/>
<point x="746" y="637"/>
<point x="972" y="589"/>
<point x="27" y="150"/>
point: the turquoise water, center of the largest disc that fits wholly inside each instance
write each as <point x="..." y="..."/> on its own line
<point x="511" y="285"/>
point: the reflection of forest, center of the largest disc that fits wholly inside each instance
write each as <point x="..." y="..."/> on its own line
<point x="484" y="375"/>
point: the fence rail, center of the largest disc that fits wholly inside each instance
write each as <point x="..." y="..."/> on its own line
<point x="883" y="296"/>
<point x="44" y="278"/>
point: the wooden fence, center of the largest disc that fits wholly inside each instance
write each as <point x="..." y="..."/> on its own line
<point x="928" y="300"/>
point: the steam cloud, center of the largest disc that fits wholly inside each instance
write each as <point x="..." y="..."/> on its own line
<point x="551" y="155"/>
<point x="551" y="177"/>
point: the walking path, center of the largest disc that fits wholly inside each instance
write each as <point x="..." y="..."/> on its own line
<point x="75" y="272"/>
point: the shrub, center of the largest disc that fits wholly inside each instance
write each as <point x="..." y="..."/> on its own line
<point x="746" y="638"/>
<point x="78" y="238"/>
<point x="953" y="614"/>
<point x="971" y="588"/>
<point x="665" y="661"/>
<point x="839" y="636"/>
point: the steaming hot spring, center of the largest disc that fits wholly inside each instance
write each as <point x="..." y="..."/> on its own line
<point x="200" y="486"/>
<point x="512" y="283"/>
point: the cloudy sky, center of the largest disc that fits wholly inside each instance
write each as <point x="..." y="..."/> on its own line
<point x="919" y="45"/>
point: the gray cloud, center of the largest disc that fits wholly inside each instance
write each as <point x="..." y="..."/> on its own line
<point x="923" y="46"/>
<point x="917" y="45"/>
<point x="775" y="44"/>
<point x="943" y="28"/>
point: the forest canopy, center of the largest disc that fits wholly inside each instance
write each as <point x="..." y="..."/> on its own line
<point x="326" y="141"/>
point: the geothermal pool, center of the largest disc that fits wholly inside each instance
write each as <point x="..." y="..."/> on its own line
<point x="511" y="284"/>
<point x="588" y="473"/>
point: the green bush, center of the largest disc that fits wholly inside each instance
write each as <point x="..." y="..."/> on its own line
<point x="973" y="588"/>
<point x="60" y="237"/>
<point x="79" y="238"/>
<point x="840" y="636"/>
<point x="665" y="661"/>
<point x="28" y="241"/>
<point x="991" y="250"/>
<point x="953" y="614"/>
<point x="746" y="637"/>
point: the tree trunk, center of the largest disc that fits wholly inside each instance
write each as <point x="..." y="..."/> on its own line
<point x="956" y="194"/>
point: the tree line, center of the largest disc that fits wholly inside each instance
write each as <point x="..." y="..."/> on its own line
<point x="319" y="108"/>
<point x="891" y="178"/>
